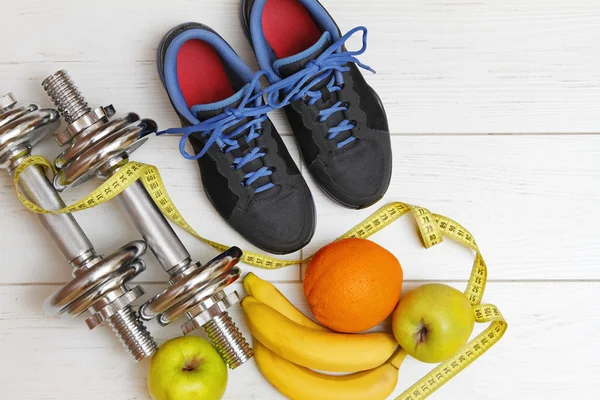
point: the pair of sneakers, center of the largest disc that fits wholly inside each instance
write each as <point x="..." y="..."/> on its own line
<point x="337" y="118"/>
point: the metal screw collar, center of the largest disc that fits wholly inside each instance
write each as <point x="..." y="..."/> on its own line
<point x="101" y="288"/>
<point x="197" y="293"/>
<point x="7" y="101"/>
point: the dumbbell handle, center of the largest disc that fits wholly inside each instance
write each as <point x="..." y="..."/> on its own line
<point x="66" y="232"/>
<point x="155" y="229"/>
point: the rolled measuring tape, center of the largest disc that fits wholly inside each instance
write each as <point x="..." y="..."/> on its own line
<point x="432" y="229"/>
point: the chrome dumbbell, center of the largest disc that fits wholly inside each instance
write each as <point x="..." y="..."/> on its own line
<point x="100" y="285"/>
<point x="100" y="146"/>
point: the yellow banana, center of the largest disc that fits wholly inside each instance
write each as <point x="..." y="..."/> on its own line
<point x="268" y="294"/>
<point x="325" y="351"/>
<point x="299" y="383"/>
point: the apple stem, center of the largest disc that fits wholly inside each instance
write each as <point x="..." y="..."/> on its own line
<point x="192" y="364"/>
<point x="421" y="335"/>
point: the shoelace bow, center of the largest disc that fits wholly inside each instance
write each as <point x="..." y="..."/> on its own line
<point x="214" y="128"/>
<point x="331" y="62"/>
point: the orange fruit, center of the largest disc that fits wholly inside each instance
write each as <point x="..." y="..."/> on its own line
<point x="352" y="285"/>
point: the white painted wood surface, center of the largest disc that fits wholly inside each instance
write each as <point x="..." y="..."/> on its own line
<point x="526" y="71"/>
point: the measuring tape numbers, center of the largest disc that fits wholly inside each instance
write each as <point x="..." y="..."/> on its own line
<point x="432" y="228"/>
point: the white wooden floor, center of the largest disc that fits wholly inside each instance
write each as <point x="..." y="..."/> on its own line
<point x="495" y="111"/>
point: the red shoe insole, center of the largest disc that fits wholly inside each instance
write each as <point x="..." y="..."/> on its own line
<point x="201" y="75"/>
<point x="288" y="27"/>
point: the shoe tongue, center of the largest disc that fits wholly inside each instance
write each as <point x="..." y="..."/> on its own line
<point x="290" y="65"/>
<point x="207" y="111"/>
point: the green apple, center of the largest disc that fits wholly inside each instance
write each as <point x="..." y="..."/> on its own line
<point x="433" y="322"/>
<point x="187" y="368"/>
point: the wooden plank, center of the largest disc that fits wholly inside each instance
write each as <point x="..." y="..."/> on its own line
<point x="443" y="66"/>
<point x="546" y="352"/>
<point x="530" y="201"/>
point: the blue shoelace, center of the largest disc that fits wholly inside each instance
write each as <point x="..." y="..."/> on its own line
<point x="251" y="107"/>
<point x="297" y="86"/>
<point x="332" y="62"/>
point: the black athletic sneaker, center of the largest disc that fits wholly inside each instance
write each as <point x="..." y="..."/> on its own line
<point x="337" y="118"/>
<point x="247" y="172"/>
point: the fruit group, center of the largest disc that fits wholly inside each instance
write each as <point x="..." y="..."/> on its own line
<point x="187" y="368"/>
<point x="325" y="351"/>
<point x="433" y="322"/>
<point x="299" y="383"/>
<point x="352" y="285"/>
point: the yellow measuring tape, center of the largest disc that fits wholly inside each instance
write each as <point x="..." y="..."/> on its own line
<point x="432" y="227"/>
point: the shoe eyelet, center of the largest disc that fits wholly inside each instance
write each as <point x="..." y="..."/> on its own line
<point x="345" y="104"/>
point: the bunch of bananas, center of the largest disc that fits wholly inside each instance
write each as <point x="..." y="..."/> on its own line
<point x="289" y="346"/>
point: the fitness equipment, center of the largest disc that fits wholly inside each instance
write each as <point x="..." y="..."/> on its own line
<point x="100" y="284"/>
<point x="100" y="146"/>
